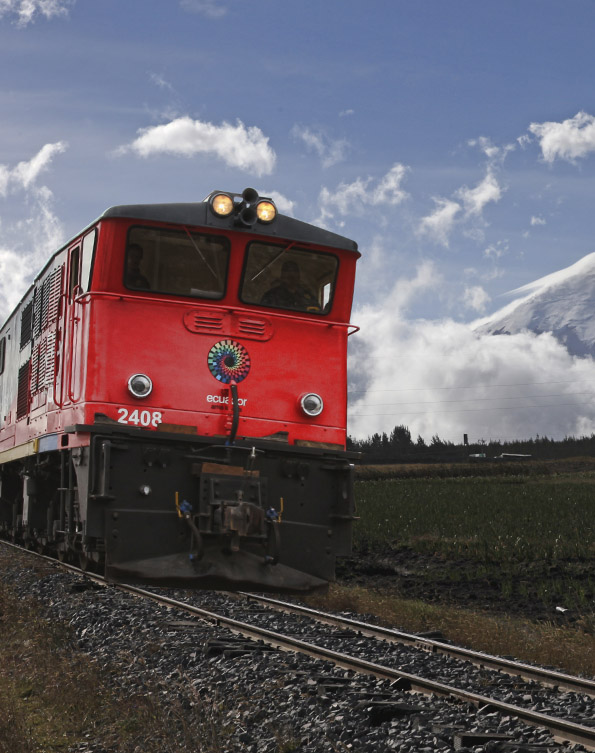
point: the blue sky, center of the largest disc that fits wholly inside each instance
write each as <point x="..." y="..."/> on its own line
<point x="453" y="139"/>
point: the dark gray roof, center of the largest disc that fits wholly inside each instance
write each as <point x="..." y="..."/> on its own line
<point x="199" y="214"/>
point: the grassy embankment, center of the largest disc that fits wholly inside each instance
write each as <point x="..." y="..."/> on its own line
<point x="525" y="535"/>
<point x="51" y="696"/>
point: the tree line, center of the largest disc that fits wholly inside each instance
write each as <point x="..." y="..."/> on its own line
<point x="399" y="447"/>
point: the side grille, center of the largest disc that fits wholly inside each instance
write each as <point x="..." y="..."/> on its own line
<point x="204" y="321"/>
<point x="199" y="321"/>
<point x="23" y="390"/>
<point x="255" y="329"/>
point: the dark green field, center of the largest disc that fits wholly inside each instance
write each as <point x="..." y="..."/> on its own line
<point x="521" y="543"/>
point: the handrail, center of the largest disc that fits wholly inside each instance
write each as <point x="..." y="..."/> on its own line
<point x="208" y="304"/>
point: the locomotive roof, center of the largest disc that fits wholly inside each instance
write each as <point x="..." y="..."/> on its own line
<point x="199" y="214"/>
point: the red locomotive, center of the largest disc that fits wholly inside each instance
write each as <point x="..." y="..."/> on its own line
<point x="173" y="398"/>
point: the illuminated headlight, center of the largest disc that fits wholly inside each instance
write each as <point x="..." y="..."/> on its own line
<point x="222" y="204"/>
<point x="266" y="211"/>
<point x="140" y="385"/>
<point x="312" y="404"/>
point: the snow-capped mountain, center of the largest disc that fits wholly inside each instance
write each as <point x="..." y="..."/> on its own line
<point x="562" y="303"/>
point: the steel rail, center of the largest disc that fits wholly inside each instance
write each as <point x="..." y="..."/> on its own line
<point x="561" y="729"/>
<point x="552" y="678"/>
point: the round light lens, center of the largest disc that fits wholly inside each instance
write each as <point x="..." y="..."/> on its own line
<point x="140" y="385"/>
<point x="266" y="211"/>
<point x="222" y="204"/>
<point x="312" y="404"/>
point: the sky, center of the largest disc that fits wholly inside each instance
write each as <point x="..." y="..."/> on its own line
<point x="453" y="140"/>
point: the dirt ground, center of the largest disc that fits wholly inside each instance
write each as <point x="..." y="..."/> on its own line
<point x="560" y="594"/>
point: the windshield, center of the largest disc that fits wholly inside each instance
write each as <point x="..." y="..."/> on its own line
<point x="288" y="277"/>
<point x="176" y="262"/>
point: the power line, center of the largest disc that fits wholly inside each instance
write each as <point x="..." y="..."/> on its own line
<point x="470" y="387"/>
<point x="464" y="410"/>
<point x="468" y="399"/>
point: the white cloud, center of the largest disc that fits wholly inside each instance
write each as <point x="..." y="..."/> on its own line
<point x="27" y="241"/>
<point x="25" y="11"/>
<point x="475" y="199"/>
<point x="283" y="204"/>
<point x="159" y="80"/>
<point x="209" y="8"/>
<point x="346" y="113"/>
<point x="330" y="151"/>
<point x="537" y="221"/>
<point x="495" y="154"/>
<point x="352" y="197"/>
<point x="25" y="174"/>
<point x="439" y="224"/>
<point x="246" y="148"/>
<point x="569" y="140"/>
<point x="440" y="377"/>
<point x="476" y="298"/>
<point x="496" y="250"/>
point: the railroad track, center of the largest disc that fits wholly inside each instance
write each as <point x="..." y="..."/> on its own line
<point x="561" y="729"/>
<point x="549" y="677"/>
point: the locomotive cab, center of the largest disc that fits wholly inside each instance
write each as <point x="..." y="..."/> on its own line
<point x="197" y="407"/>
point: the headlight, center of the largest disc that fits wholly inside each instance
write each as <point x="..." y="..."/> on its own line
<point x="222" y="204"/>
<point x="266" y="211"/>
<point x="140" y="385"/>
<point x="312" y="404"/>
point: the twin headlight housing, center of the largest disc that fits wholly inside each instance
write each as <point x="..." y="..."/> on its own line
<point x="247" y="207"/>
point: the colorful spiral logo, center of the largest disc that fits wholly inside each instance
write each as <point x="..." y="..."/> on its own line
<point x="228" y="361"/>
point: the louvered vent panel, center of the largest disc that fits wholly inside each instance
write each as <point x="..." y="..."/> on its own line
<point x="34" y="368"/>
<point x="37" y="311"/>
<point x="198" y="321"/>
<point x="252" y="328"/>
<point x="55" y="288"/>
<point x="26" y="322"/>
<point x="50" y="359"/>
<point x="41" y="375"/>
<point x="23" y="390"/>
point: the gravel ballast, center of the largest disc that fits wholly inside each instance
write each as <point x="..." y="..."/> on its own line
<point x="254" y="699"/>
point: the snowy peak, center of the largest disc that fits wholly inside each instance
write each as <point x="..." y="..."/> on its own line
<point x="562" y="303"/>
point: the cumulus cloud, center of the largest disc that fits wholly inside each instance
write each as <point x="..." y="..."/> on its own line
<point x="25" y="11"/>
<point x="438" y="224"/>
<point x="476" y="298"/>
<point x="569" y="140"/>
<point x="441" y="377"/>
<point x="28" y="239"/>
<point x="475" y="199"/>
<point x="537" y="221"/>
<point x="330" y="151"/>
<point x="246" y="148"/>
<point x="352" y="197"/>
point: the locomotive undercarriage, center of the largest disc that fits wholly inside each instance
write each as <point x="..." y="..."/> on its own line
<point x="172" y="509"/>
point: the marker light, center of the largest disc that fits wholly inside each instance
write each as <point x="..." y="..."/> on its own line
<point x="222" y="204"/>
<point x="140" y="385"/>
<point x="266" y="211"/>
<point x="312" y="404"/>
